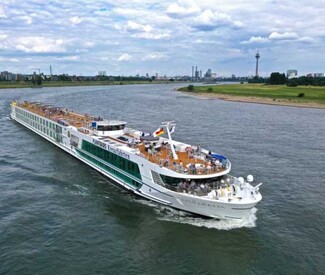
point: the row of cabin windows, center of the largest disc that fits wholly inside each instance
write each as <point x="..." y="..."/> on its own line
<point x="42" y="121"/>
<point x="175" y="181"/>
<point x="110" y="127"/>
<point x="112" y="171"/>
<point x="32" y="120"/>
<point x="119" y="162"/>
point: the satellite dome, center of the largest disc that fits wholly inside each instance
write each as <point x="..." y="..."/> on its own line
<point x="250" y="178"/>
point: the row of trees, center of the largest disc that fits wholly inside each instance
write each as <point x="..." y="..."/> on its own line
<point x="305" y="80"/>
<point x="277" y="78"/>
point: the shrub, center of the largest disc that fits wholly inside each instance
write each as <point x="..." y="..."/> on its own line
<point x="292" y="83"/>
<point x="210" y="90"/>
<point x="190" y="88"/>
<point x="301" y="95"/>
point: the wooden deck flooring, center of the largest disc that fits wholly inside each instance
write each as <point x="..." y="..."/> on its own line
<point x="164" y="158"/>
<point x="56" y="114"/>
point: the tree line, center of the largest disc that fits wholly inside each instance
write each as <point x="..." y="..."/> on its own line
<point x="277" y="78"/>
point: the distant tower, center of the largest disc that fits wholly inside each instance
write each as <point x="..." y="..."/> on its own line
<point x="50" y="70"/>
<point x="192" y="73"/>
<point x="257" y="56"/>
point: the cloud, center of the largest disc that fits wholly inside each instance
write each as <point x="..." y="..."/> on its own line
<point x="153" y="36"/>
<point x="2" y="12"/>
<point x="69" y="58"/>
<point x="154" y="56"/>
<point x="283" y="36"/>
<point x="39" y="44"/>
<point x="135" y="27"/>
<point x="175" y="10"/>
<point x="144" y="31"/>
<point x="3" y="36"/>
<point x="8" y="59"/>
<point x="275" y="37"/>
<point x="75" y="20"/>
<point x="209" y="20"/>
<point x="306" y="39"/>
<point x="124" y="57"/>
<point x="27" y="19"/>
<point x="255" y="39"/>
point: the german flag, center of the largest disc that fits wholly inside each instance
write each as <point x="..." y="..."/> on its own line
<point x="158" y="132"/>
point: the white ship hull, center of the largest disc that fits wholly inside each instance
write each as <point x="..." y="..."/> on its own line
<point x="73" y="141"/>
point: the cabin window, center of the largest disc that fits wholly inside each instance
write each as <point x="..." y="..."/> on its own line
<point x="174" y="181"/>
<point x="110" y="127"/>
<point x="171" y="180"/>
<point x="119" y="162"/>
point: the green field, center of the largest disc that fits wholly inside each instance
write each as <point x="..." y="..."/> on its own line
<point x="311" y="93"/>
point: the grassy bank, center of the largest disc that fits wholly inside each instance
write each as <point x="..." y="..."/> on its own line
<point x="9" y="85"/>
<point x="311" y="94"/>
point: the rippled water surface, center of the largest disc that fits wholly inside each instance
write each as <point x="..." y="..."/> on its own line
<point x="58" y="216"/>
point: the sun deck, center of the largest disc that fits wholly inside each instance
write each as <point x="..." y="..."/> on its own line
<point x="187" y="162"/>
<point x="58" y="114"/>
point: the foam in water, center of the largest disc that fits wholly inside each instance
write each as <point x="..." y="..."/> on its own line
<point x="4" y="117"/>
<point x="169" y="214"/>
<point x="76" y="189"/>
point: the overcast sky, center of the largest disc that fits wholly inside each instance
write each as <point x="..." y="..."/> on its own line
<point x="124" y="37"/>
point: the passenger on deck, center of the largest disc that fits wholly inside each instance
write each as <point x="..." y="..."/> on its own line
<point x="180" y="186"/>
<point x="208" y="168"/>
<point x="203" y="188"/>
<point x="217" y="162"/>
<point x="192" y="168"/>
<point x="190" y="151"/>
<point x="166" y="162"/>
<point x="198" y="150"/>
<point x="180" y="166"/>
<point x="192" y="186"/>
<point x="185" y="185"/>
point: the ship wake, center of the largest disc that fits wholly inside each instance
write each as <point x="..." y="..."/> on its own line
<point x="4" y="117"/>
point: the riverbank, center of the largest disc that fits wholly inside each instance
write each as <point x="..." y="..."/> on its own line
<point x="13" y="85"/>
<point x="303" y="96"/>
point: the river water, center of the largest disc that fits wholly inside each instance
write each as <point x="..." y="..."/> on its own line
<point x="58" y="216"/>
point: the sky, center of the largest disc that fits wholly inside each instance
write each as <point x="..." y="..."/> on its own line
<point x="125" y="37"/>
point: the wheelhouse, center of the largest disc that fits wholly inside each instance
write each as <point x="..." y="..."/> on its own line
<point x="108" y="127"/>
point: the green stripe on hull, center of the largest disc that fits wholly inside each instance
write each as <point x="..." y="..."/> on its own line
<point x="120" y="163"/>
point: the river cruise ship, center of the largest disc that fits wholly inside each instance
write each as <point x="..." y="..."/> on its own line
<point x="153" y="166"/>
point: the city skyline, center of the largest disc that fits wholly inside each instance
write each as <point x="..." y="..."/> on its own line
<point x="140" y="37"/>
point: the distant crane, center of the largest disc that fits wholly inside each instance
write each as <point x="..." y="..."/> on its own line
<point x="39" y="70"/>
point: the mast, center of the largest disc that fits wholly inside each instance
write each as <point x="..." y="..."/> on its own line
<point x="167" y="125"/>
